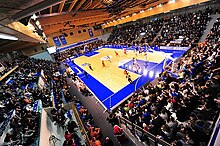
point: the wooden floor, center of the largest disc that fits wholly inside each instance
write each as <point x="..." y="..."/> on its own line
<point x="111" y="76"/>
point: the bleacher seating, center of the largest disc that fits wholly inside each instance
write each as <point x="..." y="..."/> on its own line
<point x="181" y="111"/>
<point x="130" y="33"/>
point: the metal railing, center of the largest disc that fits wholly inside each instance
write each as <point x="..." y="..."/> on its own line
<point x="81" y="125"/>
<point x="137" y="131"/>
<point x="9" y="72"/>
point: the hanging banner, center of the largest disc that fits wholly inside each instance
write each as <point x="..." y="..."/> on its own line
<point x="37" y="107"/>
<point x="41" y="80"/>
<point x="56" y="41"/>
<point x="90" y="32"/>
<point x="63" y="39"/>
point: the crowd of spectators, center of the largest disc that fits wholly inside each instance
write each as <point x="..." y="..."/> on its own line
<point x="179" y="30"/>
<point x="94" y="132"/>
<point x="18" y="93"/>
<point x="184" y="30"/>
<point x="79" y="50"/>
<point x="181" y="110"/>
<point x="136" y="34"/>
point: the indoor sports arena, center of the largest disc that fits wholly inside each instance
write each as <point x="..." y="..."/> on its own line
<point x="109" y="72"/>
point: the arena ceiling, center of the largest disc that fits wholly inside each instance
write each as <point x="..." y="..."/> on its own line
<point x="59" y="15"/>
<point x="56" y="16"/>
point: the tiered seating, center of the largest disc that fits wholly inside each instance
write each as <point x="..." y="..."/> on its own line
<point x="77" y="51"/>
<point x="181" y="111"/>
<point x="129" y="34"/>
<point x="18" y="94"/>
<point x="183" y="30"/>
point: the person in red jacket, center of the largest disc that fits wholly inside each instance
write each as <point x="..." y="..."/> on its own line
<point x="68" y="136"/>
<point x="118" y="132"/>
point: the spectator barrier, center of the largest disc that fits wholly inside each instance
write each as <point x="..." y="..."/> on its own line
<point x="142" y="134"/>
<point x="75" y="45"/>
<point x="81" y="125"/>
<point x="214" y="141"/>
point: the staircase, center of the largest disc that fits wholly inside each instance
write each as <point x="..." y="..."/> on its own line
<point x="209" y="27"/>
<point x="158" y="34"/>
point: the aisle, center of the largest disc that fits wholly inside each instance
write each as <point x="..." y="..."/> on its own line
<point x="97" y="111"/>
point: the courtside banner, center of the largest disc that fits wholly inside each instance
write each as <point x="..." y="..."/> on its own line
<point x="173" y="48"/>
<point x="75" y="45"/>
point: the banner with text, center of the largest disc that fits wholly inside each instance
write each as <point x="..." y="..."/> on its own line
<point x="63" y="39"/>
<point x="90" y="32"/>
<point x="56" y="41"/>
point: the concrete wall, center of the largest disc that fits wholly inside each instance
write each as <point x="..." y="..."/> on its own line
<point x="76" y="37"/>
<point x="47" y="129"/>
<point x="40" y="48"/>
<point x="43" y="55"/>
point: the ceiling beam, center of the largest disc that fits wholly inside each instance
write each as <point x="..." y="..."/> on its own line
<point x="95" y="4"/>
<point x="69" y="17"/>
<point x="72" y="5"/>
<point x="61" y="6"/>
<point x="51" y="9"/>
<point x="88" y="5"/>
<point x="56" y="28"/>
<point x="34" y="9"/>
<point x="79" y="5"/>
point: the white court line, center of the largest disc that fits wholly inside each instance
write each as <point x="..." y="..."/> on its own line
<point x="143" y="75"/>
<point x="135" y="84"/>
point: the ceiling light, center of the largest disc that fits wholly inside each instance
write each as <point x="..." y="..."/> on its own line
<point x="123" y="18"/>
<point x="30" y="26"/>
<point x="142" y="11"/>
<point x="127" y="16"/>
<point x="37" y="22"/>
<point x="8" y="37"/>
<point x="172" y="1"/>
<point x="160" y="5"/>
<point x="34" y="17"/>
<point x="119" y="19"/>
<point x="150" y="8"/>
<point x="134" y="14"/>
